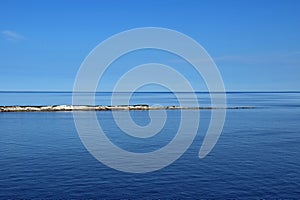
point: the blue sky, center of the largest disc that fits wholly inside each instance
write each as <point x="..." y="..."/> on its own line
<point x="255" y="43"/>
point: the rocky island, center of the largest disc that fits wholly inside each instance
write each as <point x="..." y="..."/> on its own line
<point x="56" y="108"/>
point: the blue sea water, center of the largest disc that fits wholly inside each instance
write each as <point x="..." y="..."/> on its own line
<point x="257" y="155"/>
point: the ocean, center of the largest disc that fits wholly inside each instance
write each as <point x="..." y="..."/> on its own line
<point x="257" y="155"/>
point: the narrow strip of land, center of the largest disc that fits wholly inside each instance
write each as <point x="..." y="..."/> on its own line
<point x="56" y="108"/>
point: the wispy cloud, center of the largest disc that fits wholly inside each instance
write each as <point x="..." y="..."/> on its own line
<point x="11" y="35"/>
<point x="275" y="59"/>
<point x="291" y="58"/>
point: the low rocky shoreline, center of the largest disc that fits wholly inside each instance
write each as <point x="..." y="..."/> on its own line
<point x="56" y="108"/>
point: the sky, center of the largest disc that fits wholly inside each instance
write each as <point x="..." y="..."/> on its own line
<point x="255" y="43"/>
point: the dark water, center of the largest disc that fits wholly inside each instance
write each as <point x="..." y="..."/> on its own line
<point x="257" y="155"/>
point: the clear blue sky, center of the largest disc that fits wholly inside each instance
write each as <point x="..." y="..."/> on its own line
<point x="255" y="43"/>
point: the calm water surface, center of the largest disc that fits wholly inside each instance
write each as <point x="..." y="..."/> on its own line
<point x="257" y="155"/>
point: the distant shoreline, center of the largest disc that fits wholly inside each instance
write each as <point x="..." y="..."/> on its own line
<point x="56" y="108"/>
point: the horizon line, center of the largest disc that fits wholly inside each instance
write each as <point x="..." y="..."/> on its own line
<point x="232" y="91"/>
